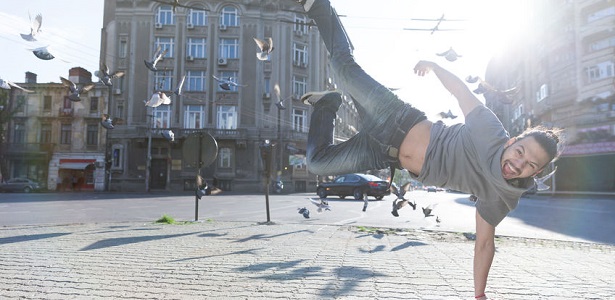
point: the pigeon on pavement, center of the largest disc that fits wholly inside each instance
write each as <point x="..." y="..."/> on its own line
<point x="305" y="212"/>
<point x="75" y="91"/>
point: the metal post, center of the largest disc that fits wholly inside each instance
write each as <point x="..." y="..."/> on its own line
<point x="108" y="153"/>
<point x="200" y="162"/>
<point x="148" y="159"/>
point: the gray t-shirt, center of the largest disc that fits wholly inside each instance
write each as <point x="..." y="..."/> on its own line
<point x="466" y="157"/>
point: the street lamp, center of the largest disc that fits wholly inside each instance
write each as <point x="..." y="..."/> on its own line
<point x="148" y="158"/>
<point x="266" y="148"/>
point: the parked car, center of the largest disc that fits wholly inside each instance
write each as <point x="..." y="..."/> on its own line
<point x="356" y="185"/>
<point x="25" y="185"/>
<point x="431" y="189"/>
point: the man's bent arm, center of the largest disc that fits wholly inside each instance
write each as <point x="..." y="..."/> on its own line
<point x="465" y="97"/>
<point x="484" y="250"/>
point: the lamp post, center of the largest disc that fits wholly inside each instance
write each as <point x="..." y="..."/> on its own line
<point x="266" y="148"/>
<point x="148" y="158"/>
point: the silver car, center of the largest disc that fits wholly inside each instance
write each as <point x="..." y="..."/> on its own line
<point x="25" y="185"/>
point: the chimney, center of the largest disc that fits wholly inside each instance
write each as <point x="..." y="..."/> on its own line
<point x="30" y="77"/>
<point x="79" y="75"/>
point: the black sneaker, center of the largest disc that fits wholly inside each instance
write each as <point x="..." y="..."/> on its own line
<point x="310" y="98"/>
<point x="395" y="213"/>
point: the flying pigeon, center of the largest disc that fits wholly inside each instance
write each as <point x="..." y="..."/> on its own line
<point x="7" y="85"/>
<point x="107" y="122"/>
<point x="401" y="201"/>
<point x="43" y="53"/>
<point x="438" y="219"/>
<point x="265" y="47"/>
<point x="322" y="204"/>
<point x="449" y="54"/>
<point x="157" y="99"/>
<point x="180" y="87"/>
<point x="75" y="92"/>
<point x="158" y="55"/>
<point x="485" y="87"/>
<point x="305" y="212"/>
<point x="106" y="76"/>
<point x="427" y="211"/>
<point x="449" y="115"/>
<point x="226" y="84"/>
<point x="280" y="102"/>
<point x="168" y="135"/>
<point x="35" y="28"/>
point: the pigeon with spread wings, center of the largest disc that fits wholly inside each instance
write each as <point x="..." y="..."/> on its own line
<point x="7" y="85"/>
<point x="158" y="55"/>
<point x="227" y="84"/>
<point x="105" y="75"/>
<point x="280" y="102"/>
<point x="157" y="99"/>
<point x="401" y="200"/>
<point x="504" y="96"/>
<point x="35" y="28"/>
<point x="75" y="91"/>
<point x="265" y="46"/>
<point x="450" y="54"/>
<point x="107" y="122"/>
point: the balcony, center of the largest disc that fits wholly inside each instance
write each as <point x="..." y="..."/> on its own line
<point x="65" y="112"/>
<point x="232" y="134"/>
<point x="24" y="148"/>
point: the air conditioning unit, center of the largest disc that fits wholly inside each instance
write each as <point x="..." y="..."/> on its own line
<point x="222" y="61"/>
<point x="189" y="58"/>
<point x="117" y="91"/>
<point x="296" y="63"/>
<point x="298" y="32"/>
<point x="266" y="95"/>
<point x="222" y="27"/>
<point x="158" y="26"/>
<point x="190" y="26"/>
<point x="303" y="64"/>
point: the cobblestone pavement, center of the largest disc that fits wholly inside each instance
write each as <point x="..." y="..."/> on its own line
<point x="235" y="260"/>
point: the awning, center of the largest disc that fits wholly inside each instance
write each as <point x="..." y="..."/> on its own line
<point x="75" y="164"/>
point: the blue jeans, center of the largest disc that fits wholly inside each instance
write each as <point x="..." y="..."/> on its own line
<point x="385" y="118"/>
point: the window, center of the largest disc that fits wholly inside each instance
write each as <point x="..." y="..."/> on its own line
<point x="197" y="17"/>
<point x="46" y="103"/>
<point x="164" y="15"/>
<point x="163" y="81"/>
<point x="224" y="157"/>
<point x="227" y="117"/>
<point x="19" y="133"/>
<point x="268" y="85"/>
<point x="195" y="81"/>
<point x="229" y="16"/>
<point x="162" y="116"/>
<point x="45" y="137"/>
<point x="229" y="48"/>
<point x="230" y="75"/>
<point x="603" y="13"/>
<point x="197" y="47"/>
<point x="300" y="23"/>
<point x="299" y="54"/>
<point x="119" y="109"/>
<point x="300" y="120"/>
<point x="93" y="104"/>
<point x="542" y="93"/>
<point x="194" y="116"/>
<point x="92" y="135"/>
<point x="117" y="156"/>
<point x="65" y="134"/>
<point x="21" y="103"/>
<point x="165" y="43"/>
<point x="600" y="71"/>
<point x="67" y="103"/>
<point x="602" y="44"/>
<point x="518" y="112"/>
<point x="123" y="48"/>
<point x="299" y="86"/>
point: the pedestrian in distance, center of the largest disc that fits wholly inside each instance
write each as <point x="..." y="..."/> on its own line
<point x="477" y="157"/>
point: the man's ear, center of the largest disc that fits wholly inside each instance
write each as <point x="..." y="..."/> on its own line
<point x="511" y="141"/>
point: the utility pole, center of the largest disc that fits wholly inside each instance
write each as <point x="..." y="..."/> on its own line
<point x="148" y="159"/>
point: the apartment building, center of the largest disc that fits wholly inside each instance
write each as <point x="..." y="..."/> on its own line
<point x="204" y="39"/>
<point x="51" y="139"/>
<point x="563" y="67"/>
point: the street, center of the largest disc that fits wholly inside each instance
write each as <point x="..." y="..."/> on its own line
<point x="545" y="217"/>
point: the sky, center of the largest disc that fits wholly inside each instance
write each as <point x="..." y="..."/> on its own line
<point x="382" y="46"/>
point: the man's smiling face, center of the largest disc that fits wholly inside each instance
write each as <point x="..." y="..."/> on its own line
<point x="523" y="158"/>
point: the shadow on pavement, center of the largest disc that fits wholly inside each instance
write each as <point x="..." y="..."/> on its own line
<point x="264" y="236"/>
<point x="112" y="242"/>
<point x="30" y="237"/>
<point x="247" y="251"/>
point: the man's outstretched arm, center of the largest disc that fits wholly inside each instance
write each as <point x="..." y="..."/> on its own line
<point x="484" y="250"/>
<point x="465" y="97"/>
